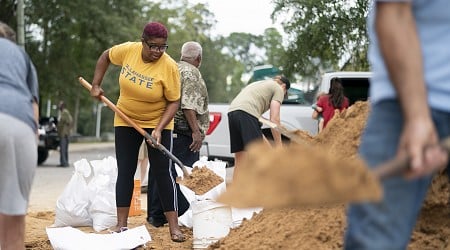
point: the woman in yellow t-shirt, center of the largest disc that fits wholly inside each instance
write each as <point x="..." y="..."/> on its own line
<point x="149" y="95"/>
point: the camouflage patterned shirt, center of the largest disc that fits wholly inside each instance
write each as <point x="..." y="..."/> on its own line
<point x="194" y="96"/>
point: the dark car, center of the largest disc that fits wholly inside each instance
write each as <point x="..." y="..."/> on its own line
<point x="48" y="137"/>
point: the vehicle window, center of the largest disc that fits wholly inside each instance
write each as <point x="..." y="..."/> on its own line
<point x="296" y="96"/>
<point x="356" y="89"/>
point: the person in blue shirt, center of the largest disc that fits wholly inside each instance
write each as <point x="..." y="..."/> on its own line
<point x="410" y="60"/>
<point x="19" y="114"/>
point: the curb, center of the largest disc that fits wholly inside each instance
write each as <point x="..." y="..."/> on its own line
<point x="76" y="146"/>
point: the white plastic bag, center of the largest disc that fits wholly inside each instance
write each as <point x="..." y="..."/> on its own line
<point x="89" y="198"/>
<point x="68" y="238"/>
<point x="102" y="190"/>
<point x="72" y="205"/>
<point x="218" y="167"/>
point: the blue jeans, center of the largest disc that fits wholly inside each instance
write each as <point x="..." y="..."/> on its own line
<point x="389" y="223"/>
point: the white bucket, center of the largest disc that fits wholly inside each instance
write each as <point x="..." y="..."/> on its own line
<point x="211" y="222"/>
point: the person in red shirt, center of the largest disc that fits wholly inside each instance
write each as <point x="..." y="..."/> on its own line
<point x="335" y="99"/>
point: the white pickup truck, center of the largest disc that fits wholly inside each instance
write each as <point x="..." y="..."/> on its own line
<point x="294" y="114"/>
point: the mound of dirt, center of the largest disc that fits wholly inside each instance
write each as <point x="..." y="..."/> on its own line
<point x="201" y="180"/>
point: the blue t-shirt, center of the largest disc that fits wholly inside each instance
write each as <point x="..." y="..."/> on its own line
<point x="433" y="24"/>
<point x="18" y="83"/>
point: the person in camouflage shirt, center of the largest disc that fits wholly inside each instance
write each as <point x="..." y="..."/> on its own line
<point x="192" y="117"/>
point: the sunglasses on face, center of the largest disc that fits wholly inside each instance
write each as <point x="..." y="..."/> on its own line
<point x="156" y="47"/>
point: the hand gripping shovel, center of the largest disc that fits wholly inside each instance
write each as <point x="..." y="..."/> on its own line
<point x="398" y="165"/>
<point x="147" y="136"/>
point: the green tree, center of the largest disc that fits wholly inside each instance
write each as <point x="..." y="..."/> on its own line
<point x="273" y="47"/>
<point x="325" y="35"/>
<point x="65" y="40"/>
<point x="8" y="13"/>
<point x="245" y="48"/>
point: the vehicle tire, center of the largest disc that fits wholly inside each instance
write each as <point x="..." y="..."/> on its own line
<point x="42" y="155"/>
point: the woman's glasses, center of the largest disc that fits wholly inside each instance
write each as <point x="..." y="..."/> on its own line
<point x="156" y="47"/>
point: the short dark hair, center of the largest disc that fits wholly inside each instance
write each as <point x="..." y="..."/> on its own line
<point x="286" y="81"/>
<point x="154" y="30"/>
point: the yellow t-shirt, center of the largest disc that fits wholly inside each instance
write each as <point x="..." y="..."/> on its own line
<point x="145" y="88"/>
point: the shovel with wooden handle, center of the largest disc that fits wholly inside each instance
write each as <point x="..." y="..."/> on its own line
<point x="399" y="165"/>
<point x="283" y="130"/>
<point x="141" y="131"/>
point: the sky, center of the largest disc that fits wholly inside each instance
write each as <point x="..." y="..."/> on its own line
<point x="249" y="16"/>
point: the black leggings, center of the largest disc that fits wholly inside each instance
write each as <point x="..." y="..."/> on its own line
<point x="127" y="143"/>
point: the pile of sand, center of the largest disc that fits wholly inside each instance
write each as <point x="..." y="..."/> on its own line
<point x="201" y="180"/>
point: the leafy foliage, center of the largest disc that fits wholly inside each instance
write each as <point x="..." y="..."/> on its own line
<point x="326" y="35"/>
<point x="8" y="12"/>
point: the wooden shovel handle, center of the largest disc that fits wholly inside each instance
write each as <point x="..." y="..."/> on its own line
<point x="283" y="130"/>
<point x="141" y="131"/>
<point x="399" y="165"/>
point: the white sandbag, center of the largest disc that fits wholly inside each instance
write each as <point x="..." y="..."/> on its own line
<point x="218" y="167"/>
<point x="186" y="218"/>
<point x="68" y="238"/>
<point x="102" y="190"/>
<point x="72" y="205"/>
